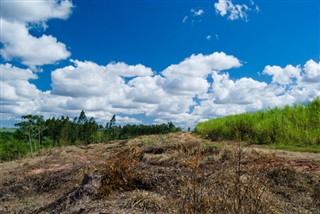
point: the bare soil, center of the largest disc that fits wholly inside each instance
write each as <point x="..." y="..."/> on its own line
<point x="175" y="173"/>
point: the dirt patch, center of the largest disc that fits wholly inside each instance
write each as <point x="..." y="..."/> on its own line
<point x="55" y="167"/>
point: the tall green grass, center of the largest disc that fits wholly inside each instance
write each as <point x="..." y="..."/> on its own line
<point x="298" y="125"/>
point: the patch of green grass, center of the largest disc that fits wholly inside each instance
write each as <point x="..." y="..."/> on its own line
<point x="7" y="130"/>
<point x="154" y="140"/>
<point x="295" y="148"/>
<point x="297" y="125"/>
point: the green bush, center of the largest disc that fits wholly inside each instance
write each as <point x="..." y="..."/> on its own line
<point x="11" y="148"/>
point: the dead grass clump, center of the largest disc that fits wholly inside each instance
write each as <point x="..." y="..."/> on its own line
<point x="316" y="195"/>
<point x="164" y="159"/>
<point x="155" y="150"/>
<point x="232" y="189"/>
<point x="238" y="192"/>
<point x="295" y="188"/>
<point x="120" y="171"/>
<point x="192" y="191"/>
<point x="146" y="202"/>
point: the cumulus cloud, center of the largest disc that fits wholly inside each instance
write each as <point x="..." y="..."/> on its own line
<point x="32" y="51"/>
<point x="30" y="11"/>
<point x="97" y="88"/>
<point x="242" y="91"/>
<point x="18" y="17"/>
<point x="181" y="93"/>
<point x="233" y="11"/>
<point x="124" y="70"/>
<point x="10" y="72"/>
<point x="17" y="94"/>
<point x="185" y="85"/>
<point x="93" y="87"/>
<point x="201" y="65"/>
<point x="86" y="79"/>
<point x="311" y="72"/>
<point x="146" y="89"/>
<point x="15" y="83"/>
<point x="189" y="77"/>
<point x="283" y="76"/>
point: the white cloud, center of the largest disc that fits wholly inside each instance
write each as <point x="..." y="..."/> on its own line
<point x="30" y="11"/>
<point x="124" y="70"/>
<point x="87" y="79"/>
<point x="194" y="16"/>
<point x="18" y="17"/>
<point x="197" y="12"/>
<point x="311" y="72"/>
<point x="242" y="91"/>
<point x="10" y="72"/>
<point x="283" y="76"/>
<point x="186" y="85"/>
<point x="17" y="94"/>
<point x="209" y="37"/>
<point x="128" y="120"/>
<point x="189" y="77"/>
<point x="184" y="20"/>
<point x="181" y="93"/>
<point x="201" y="65"/>
<point x="209" y="109"/>
<point x="32" y="51"/>
<point x="233" y="11"/>
<point x="97" y="88"/>
<point x="93" y="87"/>
<point x="146" y="89"/>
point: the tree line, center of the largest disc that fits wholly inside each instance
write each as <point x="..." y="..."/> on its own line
<point x="34" y="132"/>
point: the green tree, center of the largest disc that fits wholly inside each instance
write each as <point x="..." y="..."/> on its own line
<point x="40" y="127"/>
<point x="28" y="126"/>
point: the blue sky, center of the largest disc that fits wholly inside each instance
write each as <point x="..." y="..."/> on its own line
<point x="156" y="61"/>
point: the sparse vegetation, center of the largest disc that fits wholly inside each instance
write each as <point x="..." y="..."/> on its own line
<point x="298" y="126"/>
<point x="178" y="174"/>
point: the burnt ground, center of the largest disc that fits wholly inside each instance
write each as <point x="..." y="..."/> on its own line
<point x="175" y="173"/>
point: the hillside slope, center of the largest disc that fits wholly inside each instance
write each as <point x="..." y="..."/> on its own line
<point x="174" y="173"/>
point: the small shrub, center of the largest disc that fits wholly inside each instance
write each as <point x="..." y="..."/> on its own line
<point x="120" y="171"/>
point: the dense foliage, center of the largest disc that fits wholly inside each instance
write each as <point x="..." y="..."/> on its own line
<point x="12" y="146"/>
<point x="34" y="133"/>
<point x="297" y="125"/>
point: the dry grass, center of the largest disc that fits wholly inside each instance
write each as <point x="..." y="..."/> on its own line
<point x="172" y="173"/>
<point x="145" y="201"/>
<point x="120" y="171"/>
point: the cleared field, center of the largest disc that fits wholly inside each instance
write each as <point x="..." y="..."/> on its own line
<point x="174" y="173"/>
<point x="7" y="130"/>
